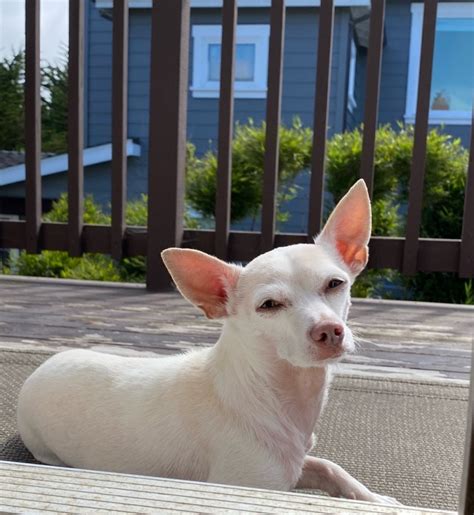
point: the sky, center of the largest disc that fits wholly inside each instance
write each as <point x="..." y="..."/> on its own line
<point x="53" y="32"/>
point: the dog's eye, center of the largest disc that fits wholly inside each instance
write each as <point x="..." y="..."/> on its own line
<point x="270" y="304"/>
<point x="334" y="283"/>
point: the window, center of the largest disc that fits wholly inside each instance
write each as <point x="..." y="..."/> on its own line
<point x="251" y="61"/>
<point x="351" y="102"/>
<point x="452" y="82"/>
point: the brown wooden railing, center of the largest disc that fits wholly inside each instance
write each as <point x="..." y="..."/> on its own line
<point x="168" y="106"/>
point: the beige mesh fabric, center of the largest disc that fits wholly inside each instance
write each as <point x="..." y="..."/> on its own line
<point x="402" y="438"/>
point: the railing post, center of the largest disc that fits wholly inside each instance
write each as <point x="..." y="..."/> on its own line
<point x="226" y="122"/>
<point x="32" y="125"/>
<point x="323" y="80"/>
<point x="75" y="127"/>
<point x="119" y="124"/>
<point x="273" y="116"/>
<point x="372" y="90"/>
<point x="417" y="172"/>
<point x="167" y="142"/>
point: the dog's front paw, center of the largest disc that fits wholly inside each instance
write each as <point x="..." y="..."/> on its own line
<point x="385" y="499"/>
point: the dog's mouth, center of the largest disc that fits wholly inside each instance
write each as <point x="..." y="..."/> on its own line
<point x="325" y="354"/>
<point x="333" y="354"/>
<point x="328" y="353"/>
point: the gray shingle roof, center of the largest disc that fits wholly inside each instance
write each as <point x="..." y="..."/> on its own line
<point x="15" y="157"/>
<point x="11" y="158"/>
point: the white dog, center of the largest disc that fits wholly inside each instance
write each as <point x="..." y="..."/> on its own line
<point x="241" y="412"/>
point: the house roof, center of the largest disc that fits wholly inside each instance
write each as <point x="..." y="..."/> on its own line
<point x="13" y="173"/>
<point x="11" y="158"/>
<point x="14" y="157"/>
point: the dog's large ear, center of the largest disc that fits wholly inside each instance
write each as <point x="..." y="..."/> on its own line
<point x="348" y="228"/>
<point x="202" y="279"/>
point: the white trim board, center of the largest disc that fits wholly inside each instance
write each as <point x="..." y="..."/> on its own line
<point x="445" y="10"/>
<point x="351" y="101"/>
<point x="145" y="4"/>
<point x="59" y="163"/>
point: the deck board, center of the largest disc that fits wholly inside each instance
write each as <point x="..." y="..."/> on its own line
<point x="397" y="338"/>
<point x="53" y="489"/>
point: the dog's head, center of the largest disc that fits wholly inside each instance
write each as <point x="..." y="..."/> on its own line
<point x="294" y="299"/>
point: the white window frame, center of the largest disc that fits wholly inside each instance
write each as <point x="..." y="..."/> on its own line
<point x="351" y="101"/>
<point x="205" y="35"/>
<point x="445" y="10"/>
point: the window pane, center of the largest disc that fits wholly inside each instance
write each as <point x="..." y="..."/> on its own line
<point x="244" y="62"/>
<point x="453" y="65"/>
<point x="214" y="62"/>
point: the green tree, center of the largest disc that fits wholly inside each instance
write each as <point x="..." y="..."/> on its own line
<point x="54" y="104"/>
<point x="12" y="129"/>
<point x="54" y="107"/>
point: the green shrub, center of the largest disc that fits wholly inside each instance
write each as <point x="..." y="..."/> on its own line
<point x="96" y="267"/>
<point x="445" y="179"/>
<point x="133" y="269"/>
<point x="442" y="211"/>
<point x="392" y="161"/>
<point x="49" y="263"/>
<point x="248" y="149"/>
<point x="93" y="213"/>
<point x="439" y="287"/>
<point x="374" y="283"/>
<point x="52" y="263"/>
<point x="136" y="211"/>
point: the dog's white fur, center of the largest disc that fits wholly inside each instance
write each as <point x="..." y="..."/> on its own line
<point x="241" y="412"/>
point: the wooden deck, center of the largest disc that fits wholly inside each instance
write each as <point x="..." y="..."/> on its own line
<point x="400" y="339"/>
<point x="35" y="488"/>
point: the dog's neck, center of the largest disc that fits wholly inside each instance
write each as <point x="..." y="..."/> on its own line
<point x="249" y="374"/>
<point x="302" y="392"/>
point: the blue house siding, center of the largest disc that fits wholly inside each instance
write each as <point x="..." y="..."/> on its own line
<point x="298" y="75"/>
<point x="393" y="86"/>
<point x="297" y="99"/>
<point x="99" y="78"/>
<point x="394" y="67"/>
<point x="96" y="183"/>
